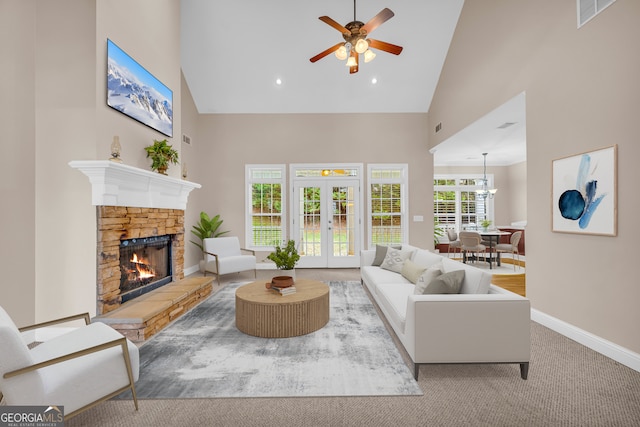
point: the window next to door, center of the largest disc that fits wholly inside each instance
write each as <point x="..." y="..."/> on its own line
<point x="388" y="201"/>
<point x="265" y="213"/>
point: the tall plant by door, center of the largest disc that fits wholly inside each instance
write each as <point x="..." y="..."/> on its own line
<point x="207" y="227"/>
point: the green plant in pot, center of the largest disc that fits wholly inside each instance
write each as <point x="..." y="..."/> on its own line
<point x="286" y="257"/>
<point x="485" y="224"/>
<point x="161" y="154"/>
<point x="205" y="228"/>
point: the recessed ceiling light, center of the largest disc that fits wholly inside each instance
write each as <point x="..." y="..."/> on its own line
<point x="278" y="81"/>
<point x="374" y="81"/>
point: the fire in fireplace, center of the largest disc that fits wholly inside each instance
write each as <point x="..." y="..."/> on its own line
<point x="145" y="264"/>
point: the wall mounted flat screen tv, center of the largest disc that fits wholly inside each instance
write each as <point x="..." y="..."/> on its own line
<point x="135" y="92"/>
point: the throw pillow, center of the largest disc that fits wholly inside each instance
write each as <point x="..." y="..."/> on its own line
<point x="447" y="283"/>
<point x="427" y="277"/>
<point x="412" y="271"/>
<point x="394" y="259"/>
<point x="381" y="252"/>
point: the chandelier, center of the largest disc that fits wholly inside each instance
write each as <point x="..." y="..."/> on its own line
<point x="485" y="191"/>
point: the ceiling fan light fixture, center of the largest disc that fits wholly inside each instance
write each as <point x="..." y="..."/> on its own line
<point x="351" y="62"/>
<point x="361" y="46"/>
<point x="369" y="55"/>
<point x="341" y="53"/>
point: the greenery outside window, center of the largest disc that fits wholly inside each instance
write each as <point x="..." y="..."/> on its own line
<point x="265" y="214"/>
<point x="456" y="204"/>
<point x="387" y="218"/>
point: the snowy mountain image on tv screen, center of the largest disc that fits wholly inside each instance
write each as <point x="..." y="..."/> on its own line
<point x="132" y="90"/>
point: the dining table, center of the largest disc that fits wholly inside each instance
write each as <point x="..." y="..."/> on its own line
<point x="493" y="237"/>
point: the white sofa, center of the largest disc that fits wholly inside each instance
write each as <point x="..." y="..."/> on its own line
<point x="481" y="324"/>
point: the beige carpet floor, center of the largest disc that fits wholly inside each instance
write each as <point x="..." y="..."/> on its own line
<point x="568" y="385"/>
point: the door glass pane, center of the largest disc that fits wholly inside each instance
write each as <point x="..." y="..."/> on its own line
<point x="343" y="226"/>
<point x="309" y="222"/>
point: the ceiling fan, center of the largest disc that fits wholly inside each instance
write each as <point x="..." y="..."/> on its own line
<point x="356" y="42"/>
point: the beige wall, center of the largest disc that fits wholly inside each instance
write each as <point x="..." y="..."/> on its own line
<point x="60" y="114"/>
<point x="227" y="142"/>
<point x="17" y="170"/>
<point x="582" y="94"/>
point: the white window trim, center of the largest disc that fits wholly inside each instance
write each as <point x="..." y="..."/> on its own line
<point x="249" y="181"/>
<point x="404" y="196"/>
<point x="458" y="188"/>
<point x="596" y="11"/>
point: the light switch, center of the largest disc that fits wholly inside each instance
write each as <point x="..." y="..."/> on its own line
<point x="418" y="218"/>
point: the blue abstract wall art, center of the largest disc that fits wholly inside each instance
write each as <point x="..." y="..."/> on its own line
<point x="584" y="193"/>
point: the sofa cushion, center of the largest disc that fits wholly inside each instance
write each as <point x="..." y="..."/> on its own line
<point x="427" y="277"/>
<point x="393" y="299"/>
<point x="475" y="281"/>
<point x="425" y="258"/>
<point x="394" y="259"/>
<point x="447" y="283"/>
<point x="381" y="252"/>
<point x="374" y="276"/>
<point x="412" y="271"/>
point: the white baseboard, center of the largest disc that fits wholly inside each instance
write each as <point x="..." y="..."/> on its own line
<point x="190" y="270"/>
<point x="602" y="346"/>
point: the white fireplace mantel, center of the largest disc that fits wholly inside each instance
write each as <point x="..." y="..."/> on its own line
<point x="117" y="184"/>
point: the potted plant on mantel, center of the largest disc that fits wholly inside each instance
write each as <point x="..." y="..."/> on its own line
<point x="285" y="258"/>
<point x="161" y="154"/>
<point x="207" y="227"/>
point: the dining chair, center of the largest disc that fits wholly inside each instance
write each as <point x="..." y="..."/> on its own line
<point x="471" y="244"/>
<point x="511" y="247"/>
<point x="454" y="243"/>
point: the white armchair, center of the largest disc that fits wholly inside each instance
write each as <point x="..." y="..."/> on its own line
<point x="224" y="255"/>
<point x="77" y="369"/>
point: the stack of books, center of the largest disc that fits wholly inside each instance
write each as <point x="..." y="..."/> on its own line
<point x="284" y="291"/>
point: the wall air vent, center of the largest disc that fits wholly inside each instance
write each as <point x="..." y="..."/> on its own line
<point x="588" y="9"/>
<point x="186" y="139"/>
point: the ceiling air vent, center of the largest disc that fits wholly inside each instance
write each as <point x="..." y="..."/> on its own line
<point x="587" y="9"/>
<point x="506" y="125"/>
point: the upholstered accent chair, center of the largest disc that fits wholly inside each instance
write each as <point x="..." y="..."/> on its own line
<point x="224" y="255"/>
<point x="511" y="247"/>
<point x="77" y="368"/>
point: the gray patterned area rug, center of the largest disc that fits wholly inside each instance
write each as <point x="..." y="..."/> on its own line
<point x="203" y="355"/>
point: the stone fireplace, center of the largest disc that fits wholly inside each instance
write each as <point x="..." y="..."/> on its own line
<point x="135" y="206"/>
<point x="120" y="224"/>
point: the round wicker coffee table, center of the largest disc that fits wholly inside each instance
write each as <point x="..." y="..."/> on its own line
<point x="262" y="312"/>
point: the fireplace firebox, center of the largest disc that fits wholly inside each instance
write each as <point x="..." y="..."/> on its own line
<point x="145" y="265"/>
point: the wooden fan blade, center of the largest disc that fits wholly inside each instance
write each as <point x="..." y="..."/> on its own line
<point x="383" y="16"/>
<point x="334" y="24"/>
<point x="326" y="52"/>
<point x="354" y="69"/>
<point x="387" y="47"/>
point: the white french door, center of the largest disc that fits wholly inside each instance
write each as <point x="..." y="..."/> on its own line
<point x="326" y="221"/>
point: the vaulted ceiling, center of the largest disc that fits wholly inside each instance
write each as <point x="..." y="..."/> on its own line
<point x="234" y="52"/>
